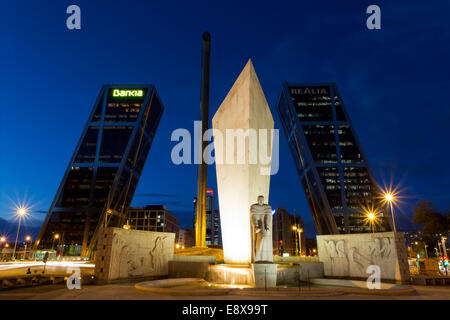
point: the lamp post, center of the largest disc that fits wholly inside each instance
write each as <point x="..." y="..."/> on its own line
<point x="20" y="212"/>
<point x="300" y="230"/>
<point x="298" y="239"/>
<point x="371" y="217"/>
<point x="390" y="199"/>
<point x="28" y="238"/>
<point x="294" y="228"/>
<point x="444" y="249"/>
<point x="2" y="240"/>
<point x="56" y="236"/>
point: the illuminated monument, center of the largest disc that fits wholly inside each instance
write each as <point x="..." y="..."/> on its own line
<point x="239" y="179"/>
<point x="334" y="172"/>
<point x="103" y="173"/>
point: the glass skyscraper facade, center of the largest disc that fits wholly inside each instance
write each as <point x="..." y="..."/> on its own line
<point x="102" y="175"/>
<point x="213" y="231"/>
<point x="334" y="172"/>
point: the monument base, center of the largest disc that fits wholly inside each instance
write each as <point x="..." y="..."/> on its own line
<point x="351" y="255"/>
<point x="230" y="274"/>
<point x="265" y="275"/>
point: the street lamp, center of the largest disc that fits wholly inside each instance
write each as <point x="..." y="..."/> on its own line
<point x="444" y="249"/>
<point x="56" y="236"/>
<point x="294" y="228"/>
<point x="389" y="197"/>
<point x="3" y="240"/>
<point x="21" y="212"/>
<point x="298" y="243"/>
<point x="300" y="230"/>
<point x="371" y="216"/>
<point x="27" y="239"/>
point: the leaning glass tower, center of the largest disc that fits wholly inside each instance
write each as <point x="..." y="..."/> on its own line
<point x="334" y="172"/>
<point x="102" y="175"/>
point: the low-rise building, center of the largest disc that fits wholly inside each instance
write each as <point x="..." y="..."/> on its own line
<point x="186" y="237"/>
<point x="152" y="218"/>
<point x="288" y="233"/>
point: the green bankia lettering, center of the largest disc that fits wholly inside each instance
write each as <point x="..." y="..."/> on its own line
<point x="127" y="93"/>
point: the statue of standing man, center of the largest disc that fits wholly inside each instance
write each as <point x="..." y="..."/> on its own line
<point x="261" y="224"/>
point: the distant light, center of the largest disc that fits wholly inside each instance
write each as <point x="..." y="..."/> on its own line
<point x="274" y="211"/>
<point x="389" y="197"/>
<point x="285" y="254"/>
<point x="21" y="212"/>
<point x="371" y="216"/>
<point x="177" y="246"/>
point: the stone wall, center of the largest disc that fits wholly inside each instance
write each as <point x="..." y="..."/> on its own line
<point x="123" y="254"/>
<point x="349" y="255"/>
<point x="303" y="271"/>
<point x="188" y="269"/>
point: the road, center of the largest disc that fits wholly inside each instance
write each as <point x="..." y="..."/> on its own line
<point x="56" y="268"/>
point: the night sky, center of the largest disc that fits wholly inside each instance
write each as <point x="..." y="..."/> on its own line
<point x="394" y="83"/>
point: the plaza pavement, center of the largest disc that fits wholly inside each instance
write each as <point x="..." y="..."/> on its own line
<point x="128" y="292"/>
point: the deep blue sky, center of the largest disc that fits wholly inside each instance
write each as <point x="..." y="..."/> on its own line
<point x="394" y="82"/>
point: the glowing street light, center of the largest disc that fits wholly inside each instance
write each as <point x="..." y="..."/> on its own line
<point x="389" y="197"/>
<point x="27" y="239"/>
<point x="371" y="217"/>
<point x="21" y="212"/>
<point x="55" y="237"/>
<point x="298" y="239"/>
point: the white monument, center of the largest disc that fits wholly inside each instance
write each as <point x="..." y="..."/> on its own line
<point x="242" y="166"/>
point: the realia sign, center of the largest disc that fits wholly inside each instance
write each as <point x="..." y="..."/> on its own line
<point x="309" y="91"/>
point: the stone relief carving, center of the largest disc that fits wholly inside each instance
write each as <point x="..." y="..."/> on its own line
<point x="352" y="255"/>
<point x="140" y="254"/>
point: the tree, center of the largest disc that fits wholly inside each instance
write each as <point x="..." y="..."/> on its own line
<point x="432" y="222"/>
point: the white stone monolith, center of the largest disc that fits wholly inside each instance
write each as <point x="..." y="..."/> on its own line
<point x="243" y="169"/>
